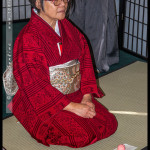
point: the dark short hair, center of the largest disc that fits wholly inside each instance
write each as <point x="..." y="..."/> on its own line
<point x="32" y="2"/>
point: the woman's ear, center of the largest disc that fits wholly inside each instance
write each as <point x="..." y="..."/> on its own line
<point x="38" y="4"/>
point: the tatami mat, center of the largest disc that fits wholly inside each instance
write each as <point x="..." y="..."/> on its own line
<point x="125" y="95"/>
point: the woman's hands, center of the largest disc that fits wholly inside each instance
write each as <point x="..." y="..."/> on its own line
<point x="85" y="109"/>
<point x="87" y="99"/>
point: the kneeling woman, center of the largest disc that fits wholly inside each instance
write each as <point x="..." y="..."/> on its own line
<point x="53" y="70"/>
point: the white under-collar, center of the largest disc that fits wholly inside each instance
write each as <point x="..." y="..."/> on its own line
<point x="56" y="26"/>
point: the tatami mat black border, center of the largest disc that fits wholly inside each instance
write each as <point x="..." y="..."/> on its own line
<point x="117" y="69"/>
<point x="8" y="117"/>
<point x="145" y="148"/>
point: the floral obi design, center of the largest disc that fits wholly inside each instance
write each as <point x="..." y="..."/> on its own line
<point x="66" y="77"/>
<point x="9" y="82"/>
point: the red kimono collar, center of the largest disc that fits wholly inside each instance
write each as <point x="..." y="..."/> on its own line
<point x="42" y="24"/>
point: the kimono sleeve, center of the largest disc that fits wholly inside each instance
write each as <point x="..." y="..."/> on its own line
<point x="31" y="72"/>
<point x="88" y="80"/>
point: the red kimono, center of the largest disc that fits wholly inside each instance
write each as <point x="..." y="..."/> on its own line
<point x="37" y="104"/>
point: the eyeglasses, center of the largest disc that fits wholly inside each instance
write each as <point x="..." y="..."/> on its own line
<point x="58" y="2"/>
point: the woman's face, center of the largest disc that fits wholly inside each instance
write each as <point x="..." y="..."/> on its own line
<point x="52" y="12"/>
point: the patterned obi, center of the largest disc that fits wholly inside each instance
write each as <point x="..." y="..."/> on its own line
<point x="9" y="82"/>
<point x="66" y="77"/>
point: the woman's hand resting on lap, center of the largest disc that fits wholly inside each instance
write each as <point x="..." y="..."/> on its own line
<point x="87" y="99"/>
<point x="85" y="109"/>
